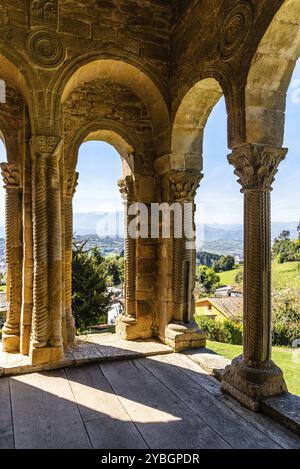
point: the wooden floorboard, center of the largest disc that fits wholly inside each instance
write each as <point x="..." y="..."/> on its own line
<point x="238" y="433"/>
<point x="162" y="419"/>
<point x="163" y="402"/>
<point x="45" y="414"/>
<point x="106" y="420"/>
<point x="6" y="424"/>
<point x="283" y="437"/>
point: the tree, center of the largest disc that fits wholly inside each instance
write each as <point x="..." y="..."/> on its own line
<point x="115" y="269"/>
<point x="2" y="279"/>
<point x="224" y="264"/>
<point x="91" y="299"/>
<point x="283" y="236"/>
<point x="207" y="278"/>
<point x="298" y="229"/>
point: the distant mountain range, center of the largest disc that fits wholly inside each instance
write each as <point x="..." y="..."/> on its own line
<point x="211" y="236"/>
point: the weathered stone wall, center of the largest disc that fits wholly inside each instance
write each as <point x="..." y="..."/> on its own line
<point x="218" y="39"/>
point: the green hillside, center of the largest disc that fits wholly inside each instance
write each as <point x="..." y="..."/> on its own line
<point x="283" y="275"/>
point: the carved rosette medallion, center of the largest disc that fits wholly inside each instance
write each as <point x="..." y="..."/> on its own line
<point x="256" y="165"/>
<point x="184" y="185"/>
<point x="45" y="48"/>
<point x="235" y="29"/>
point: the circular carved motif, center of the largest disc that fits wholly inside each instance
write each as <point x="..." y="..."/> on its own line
<point x="235" y="29"/>
<point x="45" y="48"/>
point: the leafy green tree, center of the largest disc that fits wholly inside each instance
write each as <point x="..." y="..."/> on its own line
<point x="286" y="317"/>
<point x="115" y="269"/>
<point x="2" y="279"/>
<point x="239" y="277"/>
<point x="224" y="264"/>
<point x="207" y="278"/>
<point x="91" y="299"/>
<point x="298" y="229"/>
<point x="284" y="249"/>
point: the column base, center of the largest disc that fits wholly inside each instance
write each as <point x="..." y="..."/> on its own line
<point x="39" y="356"/>
<point x="129" y="328"/>
<point x="249" y="382"/>
<point x="10" y="342"/>
<point x="181" y="336"/>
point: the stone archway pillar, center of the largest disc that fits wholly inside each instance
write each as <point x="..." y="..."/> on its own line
<point x="11" y="173"/>
<point x="253" y="375"/>
<point x="46" y="337"/>
<point x="182" y="332"/>
<point x="71" y="182"/>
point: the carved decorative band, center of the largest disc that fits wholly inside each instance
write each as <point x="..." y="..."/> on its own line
<point x="256" y="165"/>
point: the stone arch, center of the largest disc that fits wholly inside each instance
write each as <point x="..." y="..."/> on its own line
<point x="125" y="73"/>
<point x="109" y="132"/>
<point x="189" y="122"/>
<point x="270" y="74"/>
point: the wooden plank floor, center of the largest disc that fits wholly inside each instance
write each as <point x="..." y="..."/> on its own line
<point x="159" y="402"/>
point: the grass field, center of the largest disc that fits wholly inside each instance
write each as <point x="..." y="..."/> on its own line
<point x="287" y="359"/>
<point x="283" y="275"/>
<point x="3" y="288"/>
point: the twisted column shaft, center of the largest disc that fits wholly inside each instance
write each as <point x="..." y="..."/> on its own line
<point x="126" y="190"/>
<point x="70" y="187"/>
<point x="13" y="225"/>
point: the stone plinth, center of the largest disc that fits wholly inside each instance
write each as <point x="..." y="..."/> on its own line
<point x="184" y="336"/>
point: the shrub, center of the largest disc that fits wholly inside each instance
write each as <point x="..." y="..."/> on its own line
<point x="228" y="332"/>
<point x="286" y="317"/>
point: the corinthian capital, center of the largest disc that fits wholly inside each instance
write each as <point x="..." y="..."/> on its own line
<point x="126" y="187"/>
<point x="256" y="165"/>
<point x="184" y="185"/>
<point x="71" y="182"/>
<point x="11" y="173"/>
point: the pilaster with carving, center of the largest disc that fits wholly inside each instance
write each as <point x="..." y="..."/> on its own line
<point x="253" y="374"/>
<point x="12" y="176"/>
<point x="47" y="297"/>
<point x="70" y="184"/>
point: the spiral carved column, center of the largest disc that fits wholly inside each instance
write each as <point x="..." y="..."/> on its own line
<point x="46" y="339"/>
<point x="182" y="333"/>
<point x="70" y="188"/>
<point x="126" y="326"/>
<point x="253" y="375"/>
<point x="11" y="174"/>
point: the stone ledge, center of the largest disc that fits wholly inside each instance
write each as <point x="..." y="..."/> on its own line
<point x="87" y="349"/>
<point x="209" y="361"/>
<point x="284" y="409"/>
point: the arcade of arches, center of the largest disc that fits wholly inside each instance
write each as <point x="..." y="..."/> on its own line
<point x="144" y="77"/>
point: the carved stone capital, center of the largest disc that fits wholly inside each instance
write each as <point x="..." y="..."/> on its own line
<point x="46" y="144"/>
<point x="256" y="165"/>
<point x="71" y="182"/>
<point x="11" y="173"/>
<point x="183" y="185"/>
<point x="126" y="187"/>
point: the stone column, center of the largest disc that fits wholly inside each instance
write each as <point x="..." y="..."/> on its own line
<point x="182" y="332"/>
<point x="126" y="186"/>
<point x="253" y="375"/>
<point x="71" y="182"/>
<point x="46" y="339"/>
<point x="11" y="174"/>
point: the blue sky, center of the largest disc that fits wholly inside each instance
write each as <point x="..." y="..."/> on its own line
<point x="218" y="199"/>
